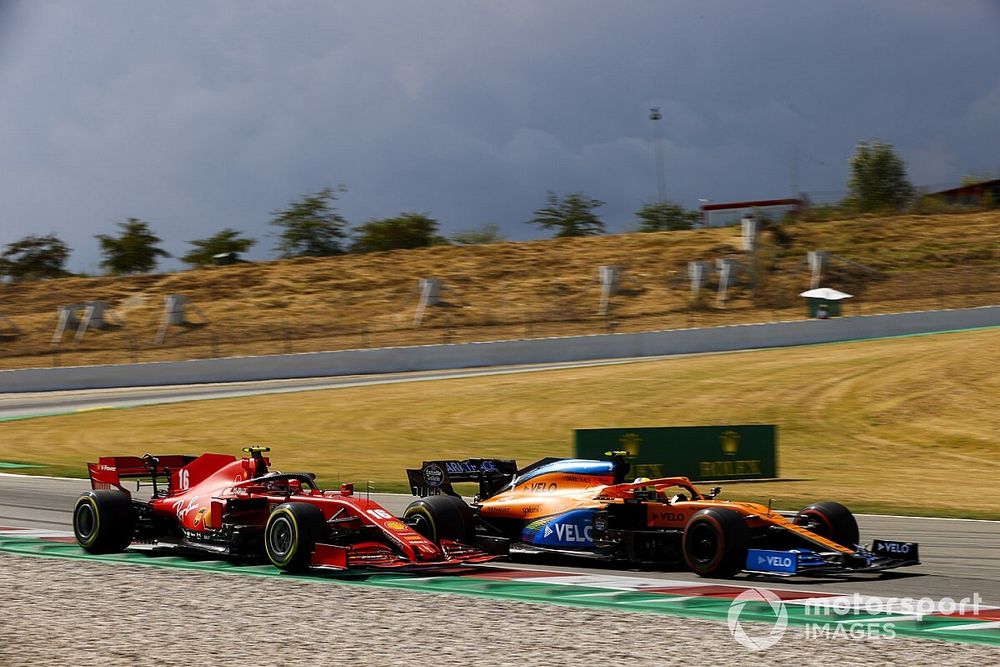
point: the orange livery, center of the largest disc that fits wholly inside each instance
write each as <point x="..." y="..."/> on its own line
<point x="589" y="508"/>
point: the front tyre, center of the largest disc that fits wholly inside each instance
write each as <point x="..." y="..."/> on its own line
<point x="715" y="542"/>
<point x="441" y="518"/>
<point x="103" y="521"/>
<point x="832" y="521"/>
<point x="291" y="534"/>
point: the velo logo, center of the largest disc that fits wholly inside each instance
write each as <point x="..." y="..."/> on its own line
<point x="757" y="597"/>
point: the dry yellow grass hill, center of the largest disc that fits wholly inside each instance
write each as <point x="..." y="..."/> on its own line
<point x="509" y="290"/>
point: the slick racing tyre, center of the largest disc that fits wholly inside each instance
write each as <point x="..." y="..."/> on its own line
<point x="104" y="521"/>
<point x="291" y="534"/>
<point x="830" y="520"/>
<point x="715" y="542"/>
<point x="441" y="518"/>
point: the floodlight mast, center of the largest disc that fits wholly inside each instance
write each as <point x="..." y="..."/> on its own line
<point x="661" y="188"/>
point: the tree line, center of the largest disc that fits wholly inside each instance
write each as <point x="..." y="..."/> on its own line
<point x="311" y="226"/>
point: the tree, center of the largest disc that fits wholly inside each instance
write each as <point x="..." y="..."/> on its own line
<point x="311" y="226"/>
<point x="665" y="216"/>
<point x="34" y="257"/>
<point x="488" y="233"/>
<point x="134" y="251"/>
<point x="228" y="240"/>
<point x="878" y="179"/>
<point x="572" y="216"/>
<point x="407" y="230"/>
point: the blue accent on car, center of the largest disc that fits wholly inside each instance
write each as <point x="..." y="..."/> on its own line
<point x="763" y="560"/>
<point x="571" y="467"/>
<point x="573" y="530"/>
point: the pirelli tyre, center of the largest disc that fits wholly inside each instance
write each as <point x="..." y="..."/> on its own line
<point x="832" y="521"/>
<point x="104" y="521"/>
<point x="291" y="534"/>
<point x="715" y="542"/>
<point x="441" y="518"/>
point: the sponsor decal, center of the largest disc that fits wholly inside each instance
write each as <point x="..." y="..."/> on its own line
<point x="182" y="509"/>
<point x="657" y="516"/>
<point x="730" y="441"/>
<point x="573" y="529"/>
<point x="530" y="509"/>
<point x="719" y="469"/>
<point x="540" y="487"/>
<point x="569" y="532"/>
<point x="433" y="475"/>
<point x="762" y="560"/>
<point x="395" y="525"/>
<point x="891" y="549"/>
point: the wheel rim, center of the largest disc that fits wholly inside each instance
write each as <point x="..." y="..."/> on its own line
<point x="817" y="523"/>
<point x="421" y="521"/>
<point x="85" y="521"/>
<point x="704" y="544"/>
<point x="421" y="525"/>
<point x="280" y="537"/>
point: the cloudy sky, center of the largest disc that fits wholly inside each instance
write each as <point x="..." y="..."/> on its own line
<point x="199" y="115"/>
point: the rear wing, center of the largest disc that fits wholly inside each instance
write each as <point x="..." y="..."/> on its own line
<point x="436" y="477"/>
<point x="109" y="471"/>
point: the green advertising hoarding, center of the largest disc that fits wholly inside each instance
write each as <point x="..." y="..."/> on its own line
<point x="701" y="453"/>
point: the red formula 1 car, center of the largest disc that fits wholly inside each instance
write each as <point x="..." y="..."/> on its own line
<point x="231" y="507"/>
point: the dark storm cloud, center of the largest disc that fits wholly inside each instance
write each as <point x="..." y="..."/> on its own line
<point x="198" y="116"/>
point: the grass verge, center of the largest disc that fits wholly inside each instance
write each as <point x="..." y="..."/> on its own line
<point x="901" y="426"/>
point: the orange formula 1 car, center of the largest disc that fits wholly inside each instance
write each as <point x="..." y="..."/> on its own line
<point x="238" y="508"/>
<point x="587" y="508"/>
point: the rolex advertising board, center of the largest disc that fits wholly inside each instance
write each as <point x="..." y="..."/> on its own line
<point x="701" y="453"/>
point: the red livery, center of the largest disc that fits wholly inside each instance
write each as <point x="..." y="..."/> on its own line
<point x="219" y="504"/>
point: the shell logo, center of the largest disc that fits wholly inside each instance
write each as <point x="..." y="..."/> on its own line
<point x="395" y="525"/>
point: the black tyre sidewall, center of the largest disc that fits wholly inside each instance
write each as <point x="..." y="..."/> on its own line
<point x="306" y="523"/>
<point x="837" y="523"/>
<point x="113" y="521"/>
<point x="732" y="541"/>
<point x="446" y="517"/>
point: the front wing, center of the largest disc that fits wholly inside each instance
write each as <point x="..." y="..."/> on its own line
<point x="882" y="555"/>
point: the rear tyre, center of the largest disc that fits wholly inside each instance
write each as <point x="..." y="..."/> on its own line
<point x="291" y="534"/>
<point x="441" y="518"/>
<point x="715" y="542"/>
<point x="832" y="521"/>
<point x="104" y="521"/>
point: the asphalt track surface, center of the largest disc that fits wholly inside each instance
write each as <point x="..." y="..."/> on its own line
<point x="960" y="557"/>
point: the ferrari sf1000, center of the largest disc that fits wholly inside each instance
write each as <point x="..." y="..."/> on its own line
<point x="218" y="504"/>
